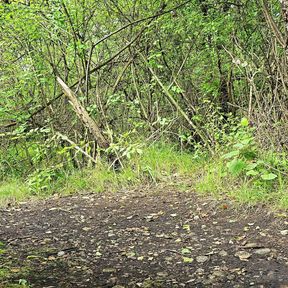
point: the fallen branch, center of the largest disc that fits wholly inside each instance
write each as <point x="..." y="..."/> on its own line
<point x="65" y="138"/>
<point x="83" y="115"/>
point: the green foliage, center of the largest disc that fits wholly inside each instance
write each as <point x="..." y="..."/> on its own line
<point x="124" y="149"/>
<point x="214" y="179"/>
<point x="3" y="273"/>
<point x="245" y="158"/>
<point x="6" y="274"/>
<point x="2" y="248"/>
<point x="23" y="283"/>
<point x="40" y="180"/>
<point x="159" y="162"/>
<point x="211" y="57"/>
<point x="13" y="190"/>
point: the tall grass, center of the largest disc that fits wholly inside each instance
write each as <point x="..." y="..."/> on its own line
<point x="157" y="163"/>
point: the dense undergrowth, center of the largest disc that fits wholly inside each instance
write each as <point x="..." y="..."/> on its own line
<point x="239" y="169"/>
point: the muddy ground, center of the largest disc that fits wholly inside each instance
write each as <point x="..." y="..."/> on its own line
<point x="145" y="237"/>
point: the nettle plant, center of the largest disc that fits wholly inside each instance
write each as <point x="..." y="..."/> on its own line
<point x="244" y="158"/>
<point x="41" y="180"/>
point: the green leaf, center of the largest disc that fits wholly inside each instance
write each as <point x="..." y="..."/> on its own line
<point x="269" y="177"/>
<point x="238" y="145"/>
<point x="23" y="282"/>
<point x="139" y="151"/>
<point x="249" y="154"/>
<point x="187" y="260"/>
<point x="33" y="256"/>
<point x="236" y="166"/>
<point x="252" y="173"/>
<point x="186" y="227"/>
<point x="231" y="154"/>
<point x="185" y="251"/>
<point x="247" y="141"/>
<point x="244" y="122"/>
<point x="251" y="166"/>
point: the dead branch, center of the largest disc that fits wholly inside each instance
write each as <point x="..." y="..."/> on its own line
<point x="83" y="115"/>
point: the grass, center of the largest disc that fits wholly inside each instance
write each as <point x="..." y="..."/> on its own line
<point x="9" y="274"/>
<point x="5" y="274"/>
<point x="13" y="190"/>
<point x="214" y="180"/>
<point x="157" y="163"/>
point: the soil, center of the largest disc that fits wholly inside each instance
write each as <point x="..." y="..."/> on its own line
<point x="147" y="237"/>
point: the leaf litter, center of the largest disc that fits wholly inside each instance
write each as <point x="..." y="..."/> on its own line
<point x="155" y="237"/>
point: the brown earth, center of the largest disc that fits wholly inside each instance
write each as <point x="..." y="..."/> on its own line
<point x="147" y="237"/>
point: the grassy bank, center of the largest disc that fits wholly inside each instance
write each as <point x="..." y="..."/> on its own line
<point x="155" y="164"/>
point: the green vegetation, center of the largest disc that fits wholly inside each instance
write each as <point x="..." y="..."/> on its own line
<point x="11" y="272"/>
<point x="6" y="273"/>
<point x="145" y="91"/>
<point x="163" y="163"/>
<point x="156" y="163"/>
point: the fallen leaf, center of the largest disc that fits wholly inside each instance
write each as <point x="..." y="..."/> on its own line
<point x="251" y="245"/>
<point x="223" y="253"/>
<point x="86" y="229"/>
<point x="185" y="251"/>
<point x="202" y="259"/>
<point x="187" y="260"/>
<point x="186" y="227"/>
<point x="262" y="251"/>
<point x="243" y="255"/>
<point x="109" y="270"/>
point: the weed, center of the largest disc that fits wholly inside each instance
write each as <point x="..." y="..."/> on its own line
<point x="216" y="175"/>
<point x="13" y="190"/>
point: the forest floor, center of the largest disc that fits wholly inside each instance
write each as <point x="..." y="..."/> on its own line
<point x="155" y="236"/>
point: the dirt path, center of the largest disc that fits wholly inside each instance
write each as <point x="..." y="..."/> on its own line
<point x="157" y="237"/>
